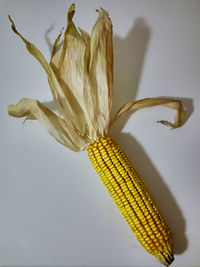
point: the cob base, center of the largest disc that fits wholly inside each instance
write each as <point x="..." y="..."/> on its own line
<point x="132" y="198"/>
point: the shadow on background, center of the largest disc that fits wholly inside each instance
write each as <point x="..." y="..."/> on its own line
<point x="129" y="56"/>
<point x="157" y="187"/>
<point x="47" y="39"/>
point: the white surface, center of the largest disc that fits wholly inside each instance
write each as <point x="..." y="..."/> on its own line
<point x="54" y="209"/>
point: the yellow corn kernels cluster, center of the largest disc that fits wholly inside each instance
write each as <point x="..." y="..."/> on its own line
<point x="132" y="198"/>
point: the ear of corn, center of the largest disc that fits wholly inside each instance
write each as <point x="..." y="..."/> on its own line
<point x="80" y="76"/>
<point x="132" y="198"/>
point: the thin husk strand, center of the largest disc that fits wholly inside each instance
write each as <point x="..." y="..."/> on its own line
<point x="151" y="102"/>
<point x="56" y="44"/>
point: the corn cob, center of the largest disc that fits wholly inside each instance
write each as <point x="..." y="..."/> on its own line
<point x="132" y="198"/>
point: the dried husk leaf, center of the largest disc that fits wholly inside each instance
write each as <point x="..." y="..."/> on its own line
<point x="86" y="65"/>
<point x="56" y="44"/>
<point x="60" y="96"/>
<point x="69" y="61"/>
<point x="68" y="67"/>
<point x="150" y="102"/>
<point x="101" y="70"/>
<point x="55" y="126"/>
<point x="65" y="101"/>
<point x="80" y="78"/>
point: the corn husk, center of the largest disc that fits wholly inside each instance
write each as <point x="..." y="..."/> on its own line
<point x="80" y="76"/>
<point x="151" y="102"/>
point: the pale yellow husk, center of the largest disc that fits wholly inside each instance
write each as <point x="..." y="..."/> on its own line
<point x="80" y="76"/>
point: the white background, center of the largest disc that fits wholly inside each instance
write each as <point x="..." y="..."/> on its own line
<point x="54" y="209"/>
